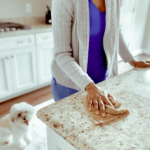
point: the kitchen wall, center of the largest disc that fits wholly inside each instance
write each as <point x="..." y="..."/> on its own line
<point x="17" y="8"/>
<point x="146" y="39"/>
<point x="140" y="21"/>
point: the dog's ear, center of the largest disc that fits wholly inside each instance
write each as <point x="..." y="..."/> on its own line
<point x="12" y="119"/>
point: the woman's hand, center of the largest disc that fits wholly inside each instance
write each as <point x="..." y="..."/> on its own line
<point x="98" y="98"/>
<point x="140" y="64"/>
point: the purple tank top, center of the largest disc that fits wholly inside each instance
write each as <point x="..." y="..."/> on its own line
<point x="96" y="68"/>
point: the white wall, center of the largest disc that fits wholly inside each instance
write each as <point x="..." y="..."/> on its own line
<point x="139" y="24"/>
<point x="17" y="9"/>
<point x="146" y="39"/>
<point x="133" y="20"/>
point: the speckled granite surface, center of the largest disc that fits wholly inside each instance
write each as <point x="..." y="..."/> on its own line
<point x="39" y="28"/>
<point x="69" y="119"/>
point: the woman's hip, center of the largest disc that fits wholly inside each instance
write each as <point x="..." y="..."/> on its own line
<point x="59" y="91"/>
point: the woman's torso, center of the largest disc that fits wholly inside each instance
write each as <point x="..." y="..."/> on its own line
<point x="97" y="68"/>
<point x="79" y="12"/>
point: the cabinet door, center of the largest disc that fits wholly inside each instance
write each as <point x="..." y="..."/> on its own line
<point x="6" y="87"/>
<point x="23" y="65"/>
<point x="45" y="57"/>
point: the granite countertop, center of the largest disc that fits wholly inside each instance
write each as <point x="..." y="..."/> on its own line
<point x="69" y="119"/>
<point x="39" y="28"/>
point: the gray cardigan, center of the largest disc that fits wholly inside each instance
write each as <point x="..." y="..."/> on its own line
<point x="70" y="20"/>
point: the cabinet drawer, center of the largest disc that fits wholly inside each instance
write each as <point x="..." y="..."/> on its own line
<point x="42" y="38"/>
<point x="11" y="43"/>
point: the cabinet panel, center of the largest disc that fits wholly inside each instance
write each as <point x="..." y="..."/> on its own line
<point x="43" y="38"/>
<point x="6" y="87"/>
<point x="23" y="65"/>
<point x="59" y="144"/>
<point x="10" y="43"/>
<point x="45" y="57"/>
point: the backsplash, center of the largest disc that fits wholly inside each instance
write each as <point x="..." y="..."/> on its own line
<point x="27" y="21"/>
<point x="18" y="9"/>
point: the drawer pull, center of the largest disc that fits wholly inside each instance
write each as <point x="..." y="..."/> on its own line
<point x="19" y="42"/>
<point x="45" y="38"/>
<point x="12" y="56"/>
<point x="6" y="57"/>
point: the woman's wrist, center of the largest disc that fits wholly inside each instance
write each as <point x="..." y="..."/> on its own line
<point x="133" y="63"/>
<point x="89" y="86"/>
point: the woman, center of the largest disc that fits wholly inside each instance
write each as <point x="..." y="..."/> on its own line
<point x="86" y="44"/>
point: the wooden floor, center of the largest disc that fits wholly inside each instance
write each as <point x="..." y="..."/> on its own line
<point x="44" y="94"/>
<point x="33" y="98"/>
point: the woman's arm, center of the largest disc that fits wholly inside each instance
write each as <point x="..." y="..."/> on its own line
<point x="62" y="14"/>
<point x="124" y="52"/>
<point x="127" y="56"/>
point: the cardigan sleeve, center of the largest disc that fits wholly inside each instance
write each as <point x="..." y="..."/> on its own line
<point x="62" y="15"/>
<point x="124" y="52"/>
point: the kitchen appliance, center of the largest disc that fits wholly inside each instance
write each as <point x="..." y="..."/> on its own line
<point x="10" y="26"/>
<point x="48" y="16"/>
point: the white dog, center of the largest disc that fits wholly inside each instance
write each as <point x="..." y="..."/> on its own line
<point x="18" y="122"/>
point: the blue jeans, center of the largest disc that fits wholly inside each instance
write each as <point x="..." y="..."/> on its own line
<point x="59" y="92"/>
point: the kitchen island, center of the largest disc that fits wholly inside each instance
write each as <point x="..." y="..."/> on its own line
<point x="69" y="127"/>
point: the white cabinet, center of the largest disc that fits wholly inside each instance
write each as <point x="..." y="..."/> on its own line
<point x="44" y="38"/>
<point x="45" y="45"/>
<point x="56" y="142"/>
<point x="17" y="71"/>
<point x="44" y="59"/>
<point x="10" y="43"/>
<point x="23" y="65"/>
<point x="6" y="86"/>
